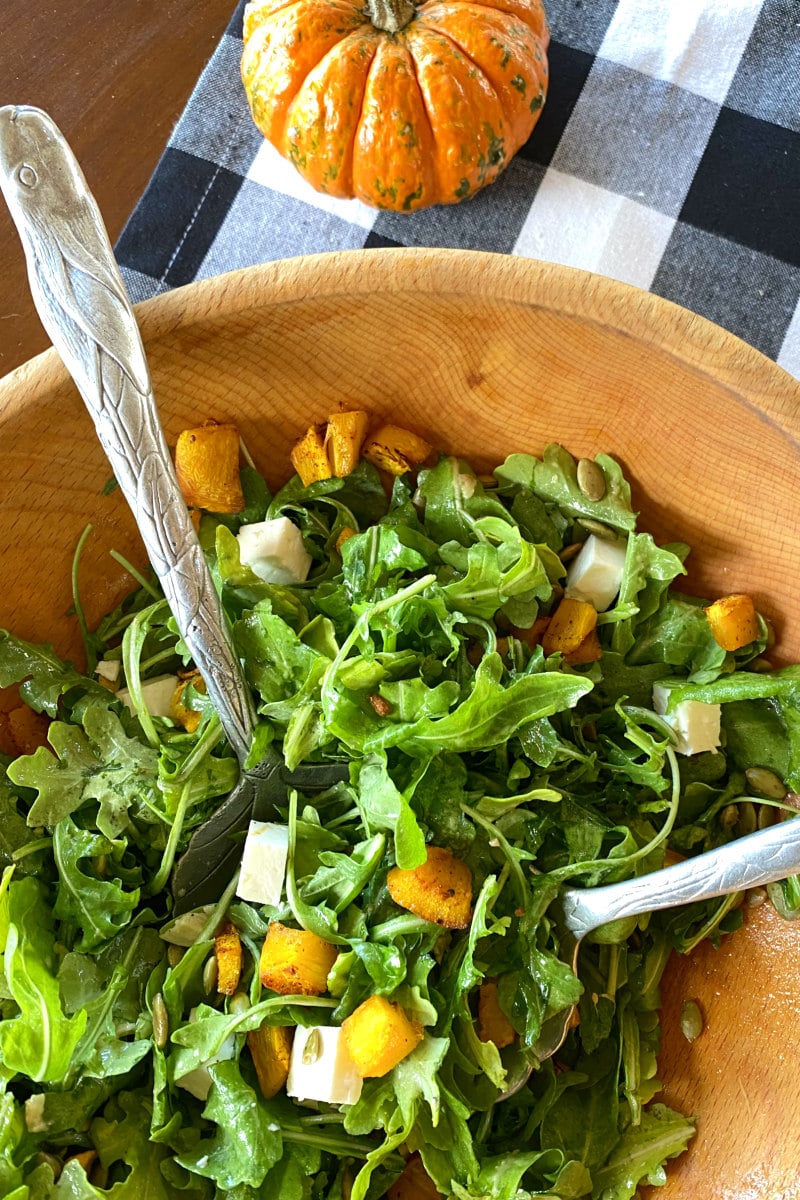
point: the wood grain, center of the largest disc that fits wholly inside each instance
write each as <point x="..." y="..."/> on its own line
<point x="114" y="77"/>
<point x="485" y="355"/>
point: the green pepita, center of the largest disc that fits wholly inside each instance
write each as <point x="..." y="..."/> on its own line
<point x="591" y="479"/>
<point x="239" y="1003"/>
<point x="691" y="1020"/>
<point x="312" y="1048"/>
<point x="599" y="529"/>
<point x="175" y="954"/>
<point x="160" y="1021"/>
<point x="568" y="553"/>
<point x="765" y="782"/>
<point x="210" y="974"/>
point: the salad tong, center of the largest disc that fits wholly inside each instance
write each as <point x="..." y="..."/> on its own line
<point x="84" y="307"/>
<point x="82" y="303"/>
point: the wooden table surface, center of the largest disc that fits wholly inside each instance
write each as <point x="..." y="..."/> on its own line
<point x="114" y="75"/>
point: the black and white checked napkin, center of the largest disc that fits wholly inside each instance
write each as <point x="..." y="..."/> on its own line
<point x="667" y="156"/>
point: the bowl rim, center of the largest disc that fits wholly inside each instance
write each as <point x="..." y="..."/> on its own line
<point x="606" y="303"/>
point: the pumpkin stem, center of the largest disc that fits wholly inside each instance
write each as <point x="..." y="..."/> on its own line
<point x="391" y="15"/>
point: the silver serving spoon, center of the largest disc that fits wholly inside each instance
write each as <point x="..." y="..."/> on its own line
<point x="753" y="861"/>
<point x="84" y="307"/>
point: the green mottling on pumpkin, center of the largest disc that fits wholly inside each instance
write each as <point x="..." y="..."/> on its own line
<point x="408" y="135"/>
<point x="297" y="157"/>
<point x="537" y="102"/>
<point x="391" y="191"/>
<point x="462" y="191"/>
<point x="520" y="84"/>
<point x="411" y="197"/>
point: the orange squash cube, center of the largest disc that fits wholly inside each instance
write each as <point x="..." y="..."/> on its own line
<point x="343" y="440"/>
<point x="733" y="621"/>
<point x="379" y="1035"/>
<point x="440" y="890"/>
<point x="395" y="449"/>
<point x="228" y="950"/>
<point x="207" y="466"/>
<point x="414" y="1184"/>
<point x="493" y="1024"/>
<point x="309" y="456"/>
<point x="569" y="625"/>
<point x="271" y="1049"/>
<point x="295" y="962"/>
<point x="589" y="651"/>
<point x="189" y="718"/>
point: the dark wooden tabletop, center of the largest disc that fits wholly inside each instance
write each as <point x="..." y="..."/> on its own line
<point x="114" y="75"/>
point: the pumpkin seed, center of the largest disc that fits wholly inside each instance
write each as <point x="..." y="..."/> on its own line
<point x="756" y="896"/>
<point x="239" y="1003"/>
<point x="748" y="819"/>
<point x="210" y="974"/>
<point x="729" y="816"/>
<point x="312" y="1048"/>
<point x="766" y="816"/>
<point x="175" y="954"/>
<point x="160" y="1022"/>
<point x="599" y="529"/>
<point x="764" y="782"/>
<point x="691" y="1020"/>
<point x="591" y="479"/>
<point x="568" y="553"/>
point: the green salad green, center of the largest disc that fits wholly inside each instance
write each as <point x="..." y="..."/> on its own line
<point x="534" y="772"/>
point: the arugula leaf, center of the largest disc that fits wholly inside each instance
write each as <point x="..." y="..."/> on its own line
<point x="97" y="908"/>
<point x="640" y="1153"/>
<point x="248" y="1140"/>
<point x="555" y="480"/>
<point x="40" y="1041"/>
<point x="43" y="676"/>
<point x="384" y="806"/>
<point x="494" y="712"/>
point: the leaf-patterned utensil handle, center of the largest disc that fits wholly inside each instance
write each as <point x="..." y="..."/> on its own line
<point x="763" y="857"/>
<point x="83" y="305"/>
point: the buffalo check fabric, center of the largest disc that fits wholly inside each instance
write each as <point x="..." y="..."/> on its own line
<point x="667" y="156"/>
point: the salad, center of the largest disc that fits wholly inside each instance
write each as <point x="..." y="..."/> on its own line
<point x="504" y="694"/>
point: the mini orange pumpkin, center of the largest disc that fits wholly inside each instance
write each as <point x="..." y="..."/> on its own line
<point x="397" y="104"/>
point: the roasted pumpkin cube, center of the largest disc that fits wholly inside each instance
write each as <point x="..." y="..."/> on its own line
<point x="493" y="1024"/>
<point x="379" y="1035"/>
<point x="440" y="890"/>
<point x="533" y="635"/>
<point x="414" y="1184"/>
<point x="189" y="718"/>
<point x="589" y="651"/>
<point x="207" y="466"/>
<point x="344" y="536"/>
<point x="395" y="449"/>
<point x="733" y="621"/>
<point x="271" y="1049"/>
<point x="343" y="440"/>
<point x="228" y="950"/>
<point x="569" y="625"/>
<point x="309" y="456"/>
<point x="295" y="961"/>
<point x="22" y="731"/>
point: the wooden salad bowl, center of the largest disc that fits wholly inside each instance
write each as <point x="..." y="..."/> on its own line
<point x="484" y="355"/>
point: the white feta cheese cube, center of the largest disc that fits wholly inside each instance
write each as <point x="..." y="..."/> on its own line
<point x="696" y="725"/>
<point x="266" y="849"/>
<point x="108" y="668"/>
<point x="330" y="1074"/>
<point x="274" y="550"/>
<point x="157" y="695"/>
<point x="595" y="574"/>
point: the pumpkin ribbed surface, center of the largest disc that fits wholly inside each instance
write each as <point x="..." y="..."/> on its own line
<point x="402" y="120"/>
